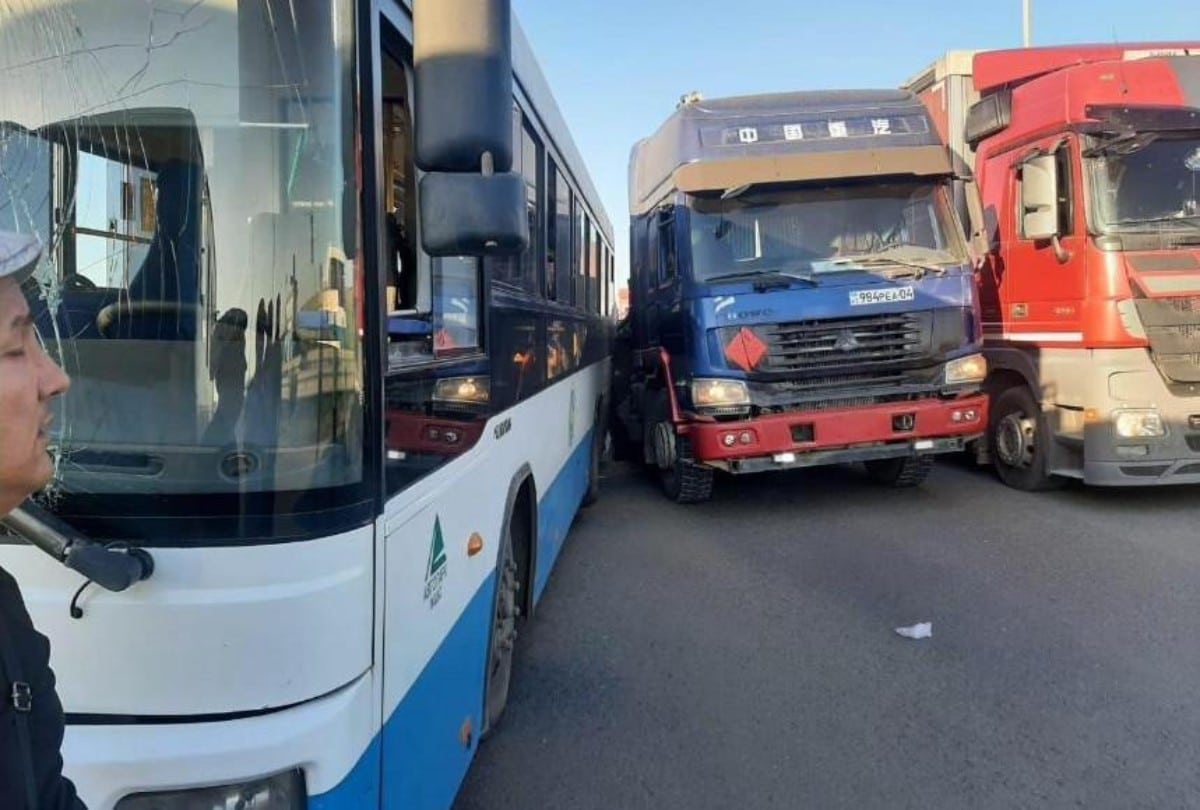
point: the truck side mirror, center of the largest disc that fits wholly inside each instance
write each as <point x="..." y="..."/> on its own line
<point x="1039" y="198"/>
<point x="980" y="241"/>
<point x="471" y="202"/>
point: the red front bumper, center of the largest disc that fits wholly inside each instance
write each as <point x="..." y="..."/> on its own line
<point x="890" y="426"/>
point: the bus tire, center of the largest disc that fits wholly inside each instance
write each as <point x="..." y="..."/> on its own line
<point x="1019" y="438"/>
<point x="504" y="627"/>
<point x="900" y="473"/>
<point x="685" y="481"/>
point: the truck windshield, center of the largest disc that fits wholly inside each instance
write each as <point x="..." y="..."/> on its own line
<point x="1151" y="185"/>
<point x="191" y="178"/>
<point x="817" y="230"/>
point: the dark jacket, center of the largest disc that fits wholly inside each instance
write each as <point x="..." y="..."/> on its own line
<point x="54" y="791"/>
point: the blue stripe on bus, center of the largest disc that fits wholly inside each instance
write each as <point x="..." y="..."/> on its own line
<point x="359" y="789"/>
<point x="557" y="510"/>
<point x="423" y="758"/>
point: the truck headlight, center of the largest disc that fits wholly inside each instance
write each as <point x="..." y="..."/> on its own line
<point x="1139" y="424"/>
<point x="970" y="369"/>
<point x="463" y="390"/>
<point x="285" y="791"/>
<point x="719" y="393"/>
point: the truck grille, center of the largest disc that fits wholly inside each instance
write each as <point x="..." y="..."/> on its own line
<point x="808" y="347"/>
<point x="1173" y="328"/>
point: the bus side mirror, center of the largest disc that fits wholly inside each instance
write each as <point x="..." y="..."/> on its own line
<point x="473" y="214"/>
<point x="1039" y="198"/>
<point x="469" y="197"/>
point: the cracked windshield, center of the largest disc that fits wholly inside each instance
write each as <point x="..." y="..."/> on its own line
<point x="580" y="405"/>
<point x="198" y="219"/>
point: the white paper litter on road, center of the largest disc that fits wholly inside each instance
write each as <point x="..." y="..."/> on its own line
<point x="916" y="631"/>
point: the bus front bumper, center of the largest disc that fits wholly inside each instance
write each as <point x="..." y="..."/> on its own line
<point x="326" y="739"/>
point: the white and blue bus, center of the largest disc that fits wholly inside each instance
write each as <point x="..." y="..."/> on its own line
<point x="344" y="386"/>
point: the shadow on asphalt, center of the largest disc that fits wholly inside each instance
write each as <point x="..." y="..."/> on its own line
<point x="824" y="485"/>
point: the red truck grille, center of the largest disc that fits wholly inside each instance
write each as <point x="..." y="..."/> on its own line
<point x="1173" y="328"/>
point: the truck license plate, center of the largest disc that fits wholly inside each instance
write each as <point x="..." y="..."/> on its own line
<point x="885" y="295"/>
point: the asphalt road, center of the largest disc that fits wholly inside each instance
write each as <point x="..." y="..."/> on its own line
<point x="741" y="654"/>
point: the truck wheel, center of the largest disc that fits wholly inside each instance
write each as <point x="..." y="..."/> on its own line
<point x="908" y="471"/>
<point x="684" y="481"/>
<point x="1019" y="439"/>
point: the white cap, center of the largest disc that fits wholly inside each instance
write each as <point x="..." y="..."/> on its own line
<point x="19" y="254"/>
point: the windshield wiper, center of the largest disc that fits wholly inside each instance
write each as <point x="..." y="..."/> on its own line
<point x="761" y="276"/>
<point x="884" y="257"/>
<point x="1190" y="219"/>
<point x="111" y="568"/>
<point x="1122" y="145"/>
<point x="884" y="261"/>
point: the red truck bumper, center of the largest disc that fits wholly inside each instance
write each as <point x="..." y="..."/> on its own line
<point x="838" y="436"/>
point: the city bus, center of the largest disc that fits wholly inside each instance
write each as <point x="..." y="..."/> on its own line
<point x="335" y="292"/>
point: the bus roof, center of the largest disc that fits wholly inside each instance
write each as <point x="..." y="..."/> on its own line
<point x="825" y="121"/>
<point x="533" y="83"/>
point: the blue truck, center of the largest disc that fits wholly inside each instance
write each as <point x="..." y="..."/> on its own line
<point x="802" y="292"/>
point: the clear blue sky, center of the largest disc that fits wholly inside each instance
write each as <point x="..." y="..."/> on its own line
<point x="618" y="67"/>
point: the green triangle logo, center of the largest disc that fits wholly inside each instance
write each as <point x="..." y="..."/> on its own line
<point x="437" y="550"/>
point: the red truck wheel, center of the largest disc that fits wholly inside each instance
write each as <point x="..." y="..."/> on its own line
<point x="1020" y="441"/>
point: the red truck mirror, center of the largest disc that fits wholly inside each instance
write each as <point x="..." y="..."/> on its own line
<point x="1039" y="198"/>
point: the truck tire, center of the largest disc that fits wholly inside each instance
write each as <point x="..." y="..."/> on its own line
<point x="684" y="481"/>
<point x="901" y="473"/>
<point x="1019" y="438"/>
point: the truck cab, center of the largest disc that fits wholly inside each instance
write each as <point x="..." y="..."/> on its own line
<point x="802" y="292"/>
<point x="1088" y="158"/>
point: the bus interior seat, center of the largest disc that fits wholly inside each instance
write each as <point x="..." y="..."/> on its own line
<point x="171" y="271"/>
<point x="170" y="274"/>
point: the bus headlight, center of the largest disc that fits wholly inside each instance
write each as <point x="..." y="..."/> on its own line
<point x="1142" y="424"/>
<point x="463" y="390"/>
<point x="283" y="792"/>
<point x="719" y="393"/>
<point x="969" y="369"/>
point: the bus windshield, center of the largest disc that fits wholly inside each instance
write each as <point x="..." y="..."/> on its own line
<point x="197" y="205"/>
<point x="823" y="229"/>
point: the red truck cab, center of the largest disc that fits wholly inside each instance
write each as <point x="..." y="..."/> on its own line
<point x="1088" y="160"/>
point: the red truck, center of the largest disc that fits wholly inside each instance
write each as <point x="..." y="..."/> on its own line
<point x="1088" y="161"/>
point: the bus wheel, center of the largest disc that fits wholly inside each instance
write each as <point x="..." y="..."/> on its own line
<point x="907" y="471"/>
<point x="504" y="629"/>
<point x="1020" y="439"/>
<point x="685" y="481"/>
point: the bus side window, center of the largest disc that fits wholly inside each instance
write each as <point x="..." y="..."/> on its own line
<point x="399" y="219"/>
<point x="561" y="216"/>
